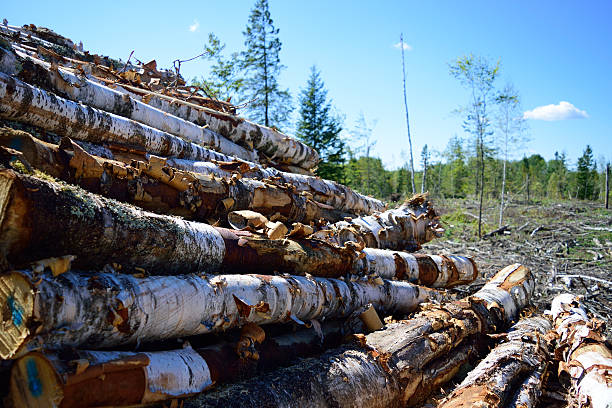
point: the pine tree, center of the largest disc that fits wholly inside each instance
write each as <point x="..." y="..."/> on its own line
<point x="319" y="128"/>
<point x="223" y="81"/>
<point x="268" y="104"/>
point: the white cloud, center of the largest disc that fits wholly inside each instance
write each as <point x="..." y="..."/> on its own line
<point x="194" y="27"/>
<point x="407" y="47"/>
<point x="562" y="111"/>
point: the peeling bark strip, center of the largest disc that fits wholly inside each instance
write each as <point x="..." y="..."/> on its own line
<point x="157" y="187"/>
<point x="278" y="146"/>
<point x="324" y="191"/>
<point x="405" y="228"/>
<point x="394" y="367"/>
<point x="102" y="310"/>
<point x="584" y="358"/>
<point x="34" y="106"/>
<point x="41" y="219"/>
<point x="110" y="378"/>
<point x="512" y="374"/>
<point x="103" y="378"/>
<point x="82" y="90"/>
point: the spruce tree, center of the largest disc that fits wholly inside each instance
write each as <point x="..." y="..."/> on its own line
<point x="268" y="104"/>
<point x="319" y="128"/>
<point x="585" y="175"/>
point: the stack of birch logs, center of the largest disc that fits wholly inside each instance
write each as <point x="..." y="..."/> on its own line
<point x="157" y="249"/>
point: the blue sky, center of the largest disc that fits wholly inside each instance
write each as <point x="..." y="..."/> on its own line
<point x="553" y="52"/>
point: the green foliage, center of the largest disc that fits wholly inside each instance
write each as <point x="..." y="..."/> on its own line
<point x="224" y="81"/>
<point x="320" y="129"/>
<point x="586" y="176"/>
<point x="268" y="104"/>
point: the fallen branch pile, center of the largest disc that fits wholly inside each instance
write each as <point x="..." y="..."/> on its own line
<point x="155" y="247"/>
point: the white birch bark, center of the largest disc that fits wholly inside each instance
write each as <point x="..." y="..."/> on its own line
<point x="324" y="191"/>
<point x="585" y="358"/>
<point x="88" y="92"/>
<point x="511" y="374"/>
<point x="41" y="219"/>
<point x="109" y="378"/>
<point x="103" y="310"/>
<point x="277" y="146"/>
<point x="25" y="103"/>
<point x="404" y="228"/>
<point x="438" y="271"/>
<point x="160" y="188"/>
<point x="394" y="367"/>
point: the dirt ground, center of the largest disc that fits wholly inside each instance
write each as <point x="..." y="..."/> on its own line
<point x="567" y="245"/>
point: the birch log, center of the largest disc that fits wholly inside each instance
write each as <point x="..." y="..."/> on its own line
<point x="585" y="360"/>
<point x="394" y="367"/>
<point x="157" y="187"/>
<point x="25" y="103"/>
<point x="323" y="191"/>
<point x="138" y="104"/>
<point x="277" y="146"/>
<point x="103" y="310"/>
<point x="107" y="378"/>
<point x="79" y="89"/>
<point x="41" y="219"/>
<point x="513" y="372"/>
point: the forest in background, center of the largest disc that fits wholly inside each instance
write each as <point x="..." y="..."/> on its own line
<point x="484" y="163"/>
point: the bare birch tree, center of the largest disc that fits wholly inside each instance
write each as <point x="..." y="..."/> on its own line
<point x="478" y="76"/>
<point x="407" y="117"/>
<point x="512" y="126"/>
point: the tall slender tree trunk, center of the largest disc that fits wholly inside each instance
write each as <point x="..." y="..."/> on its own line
<point x="481" y="186"/>
<point x="423" y="182"/>
<point x="407" y="117"/>
<point x="607" y="184"/>
<point x="503" y="186"/>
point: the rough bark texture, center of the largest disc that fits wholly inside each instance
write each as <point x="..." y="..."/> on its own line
<point x="34" y="106"/>
<point x="393" y="367"/>
<point x="585" y="360"/>
<point x="157" y="187"/>
<point x="277" y="146"/>
<point x="512" y="374"/>
<point x="323" y="191"/>
<point x="405" y="228"/>
<point x="102" y="378"/>
<point x="102" y="310"/>
<point x="83" y="90"/>
<point x="41" y="219"/>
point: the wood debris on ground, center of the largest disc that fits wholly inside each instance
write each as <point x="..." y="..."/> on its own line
<point x="156" y="249"/>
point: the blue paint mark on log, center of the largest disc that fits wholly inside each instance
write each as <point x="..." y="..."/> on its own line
<point x="16" y="311"/>
<point x="34" y="383"/>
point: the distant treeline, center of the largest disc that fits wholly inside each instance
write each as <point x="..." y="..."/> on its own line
<point x="455" y="176"/>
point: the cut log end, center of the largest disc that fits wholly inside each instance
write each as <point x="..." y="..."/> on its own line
<point x="34" y="383"/>
<point x="17" y="303"/>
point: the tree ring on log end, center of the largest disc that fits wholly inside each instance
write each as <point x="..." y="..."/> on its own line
<point x="16" y="304"/>
<point x="34" y="383"/>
